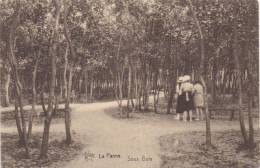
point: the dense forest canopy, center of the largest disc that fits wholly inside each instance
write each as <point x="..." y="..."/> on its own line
<point x="153" y="33"/>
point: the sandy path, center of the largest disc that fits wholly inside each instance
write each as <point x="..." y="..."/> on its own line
<point x="103" y="134"/>
<point x="108" y="135"/>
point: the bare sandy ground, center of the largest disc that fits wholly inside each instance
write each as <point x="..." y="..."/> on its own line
<point x="139" y="141"/>
<point x="133" y="145"/>
<point x="109" y="136"/>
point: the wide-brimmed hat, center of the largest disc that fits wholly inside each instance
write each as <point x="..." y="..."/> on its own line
<point x="186" y="78"/>
<point x="181" y="79"/>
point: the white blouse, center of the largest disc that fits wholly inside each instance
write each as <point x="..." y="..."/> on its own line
<point x="186" y="87"/>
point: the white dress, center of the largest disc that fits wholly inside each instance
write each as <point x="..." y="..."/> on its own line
<point x="198" y="98"/>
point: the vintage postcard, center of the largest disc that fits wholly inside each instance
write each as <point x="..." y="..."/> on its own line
<point x="129" y="83"/>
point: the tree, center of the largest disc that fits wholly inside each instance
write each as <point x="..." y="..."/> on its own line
<point x="238" y="76"/>
<point x="125" y="49"/>
<point x="251" y="141"/>
<point x="18" y="86"/>
<point x="201" y="69"/>
<point x="33" y="82"/>
<point x="47" y="122"/>
<point x="120" y="68"/>
<point x="72" y="65"/>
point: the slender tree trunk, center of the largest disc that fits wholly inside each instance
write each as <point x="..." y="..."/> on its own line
<point x="136" y="91"/>
<point x="121" y="91"/>
<point x="129" y="84"/>
<point x="45" y="138"/>
<point x="120" y="73"/>
<point x="56" y="104"/>
<point x="79" y="84"/>
<point x="18" y="124"/>
<point x="61" y="86"/>
<point x="132" y="101"/>
<point x="158" y="94"/>
<point x="166" y="82"/>
<point x="91" y="89"/>
<point x="165" y="90"/>
<point x="230" y="75"/>
<point x="67" y="110"/>
<point x="169" y="106"/>
<point x="214" y="76"/>
<point x="224" y="82"/>
<point x="44" y="83"/>
<point x="12" y="62"/>
<point x="7" y="84"/>
<point x="65" y="71"/>
<point x="155" y="90"/>
<point x="147" y="88"/>
<point x="86" y="84"/>
<point x="99" y="88"/>
<point x="171" y="76"/>
<point x="171" y="89"/>
<point x="201" y="70"/>
<point x="34" y="85"/>
<point x="238" y="77"/>
<point x="251" y="141"/>
<point x="115" y="86"/>
<point x="144" y="83"/>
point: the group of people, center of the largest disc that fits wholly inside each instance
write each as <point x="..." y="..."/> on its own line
<point x="189" y="96"/>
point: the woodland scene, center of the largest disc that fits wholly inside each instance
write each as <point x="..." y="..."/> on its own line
<point x="107" y="83"/>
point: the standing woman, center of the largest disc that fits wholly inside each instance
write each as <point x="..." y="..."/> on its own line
<point x="198" y="100"/>
<point x="187" y="89"/>
<point x="180" y="99"/>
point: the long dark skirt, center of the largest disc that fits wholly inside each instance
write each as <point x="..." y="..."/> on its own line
<point x="187" y="105"/>
<point x="180" y="104"/>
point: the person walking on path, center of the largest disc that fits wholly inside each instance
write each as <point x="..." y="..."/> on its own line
<point x="186" y="89"/>
<point x="180" y="99"/>
<point x="198" y="100"/>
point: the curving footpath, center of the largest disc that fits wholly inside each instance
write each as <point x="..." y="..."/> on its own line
<point x="113" y="143"/>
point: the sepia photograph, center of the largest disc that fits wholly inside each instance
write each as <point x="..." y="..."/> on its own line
<point x="129" y="84"/>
